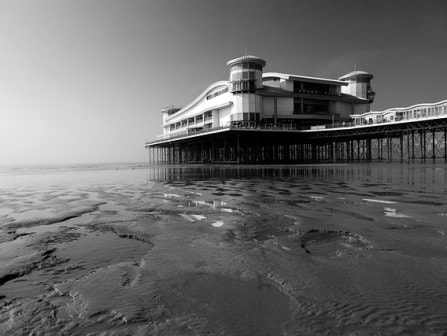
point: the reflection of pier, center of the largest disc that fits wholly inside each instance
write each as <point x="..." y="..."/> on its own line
<point x="415" y="139"/>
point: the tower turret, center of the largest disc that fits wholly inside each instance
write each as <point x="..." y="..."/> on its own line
<point x="246" y="73"/>
<point x="359" y="85"/>
<point x="245" y="79"/>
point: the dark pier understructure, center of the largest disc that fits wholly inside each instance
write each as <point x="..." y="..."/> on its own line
<point x="409" y="140"/>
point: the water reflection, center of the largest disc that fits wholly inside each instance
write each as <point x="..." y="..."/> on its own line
<point x="421" y="177"/>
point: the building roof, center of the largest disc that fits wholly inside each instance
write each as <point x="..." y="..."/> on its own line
<point x="277" y="75"/>
<point x="247" y="58"/>
<point x="356" y="73"/>
<point x="199" y="97"/>
<point x="170" y="109"/>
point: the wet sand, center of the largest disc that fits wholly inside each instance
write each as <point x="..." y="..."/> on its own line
<point x="316" y="250"/>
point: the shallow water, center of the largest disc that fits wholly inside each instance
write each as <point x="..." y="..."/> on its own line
<point x="224" y="250"/>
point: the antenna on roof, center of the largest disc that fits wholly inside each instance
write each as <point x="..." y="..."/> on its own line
<point x="355" y="67"/>
<point x="245" y="52"/>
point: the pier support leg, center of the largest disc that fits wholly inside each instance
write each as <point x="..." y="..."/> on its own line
<point x="433" y="144"/>
<point x="368" y="150"/>
<point x="401" y="140"/>
<point x="380" y="148"/>
<point x="359" y="149"/>
<point x="238" y="148"/>
<point x="445" y="144"/>
<point x="412" y="145"/>
<point x="422" y="145"/>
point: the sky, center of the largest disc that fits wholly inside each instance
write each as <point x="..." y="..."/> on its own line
<point x="83" y="81"/>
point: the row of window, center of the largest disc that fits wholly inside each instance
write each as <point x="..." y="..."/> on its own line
<point x="247" y="65"/>
<point x="325" y="93"/>
<point x="297" y="85"/>
<point x="426" y="112"/>
<point x="301" y="106"/>
<point x="249" y="86"/>
<point x="243" y="75"/>
<point x="406" y="114"/>
<point x="191" y="121"/>
<point x="215" y="94"/>
<point x="314" y="88"/>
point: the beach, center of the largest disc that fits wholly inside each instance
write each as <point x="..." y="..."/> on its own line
<point x="342" y="249"/>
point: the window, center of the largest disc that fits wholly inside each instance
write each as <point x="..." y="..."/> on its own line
<point x="297" y="86"/>
<point x="311" y="106"/>
<point x="249" y="65"/>
<point x="297" y="106"/>
<point x="253" y="116"/>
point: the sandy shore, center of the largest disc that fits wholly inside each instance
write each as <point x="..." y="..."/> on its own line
<point x="324" y="255"/>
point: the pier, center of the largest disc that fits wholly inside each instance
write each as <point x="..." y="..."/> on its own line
<point x="408" y="140"/>
<point x="259" y="117"/>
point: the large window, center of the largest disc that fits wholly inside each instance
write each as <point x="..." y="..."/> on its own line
<point x="297" y="106"/>
<point x="311" y="106"/>
<point x="243" y="86"/>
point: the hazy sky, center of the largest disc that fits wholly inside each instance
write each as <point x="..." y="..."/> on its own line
<point x="84" y="80"/>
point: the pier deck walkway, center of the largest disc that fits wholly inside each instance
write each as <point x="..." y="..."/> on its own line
<point x="411" y="139"/>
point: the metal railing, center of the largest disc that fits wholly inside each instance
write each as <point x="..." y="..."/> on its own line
<point x="283" y="127"/>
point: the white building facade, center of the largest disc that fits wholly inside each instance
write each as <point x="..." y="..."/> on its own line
<point x="252" y="98"/>
<point x="429" y="110"/>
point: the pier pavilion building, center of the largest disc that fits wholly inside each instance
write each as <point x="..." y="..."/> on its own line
<point x="258" y="117"/>
<point x="257" y="99"/>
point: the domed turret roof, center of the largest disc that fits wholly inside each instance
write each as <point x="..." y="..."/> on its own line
<point x="355" y="74"/>
<point x="247" y="58"/>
